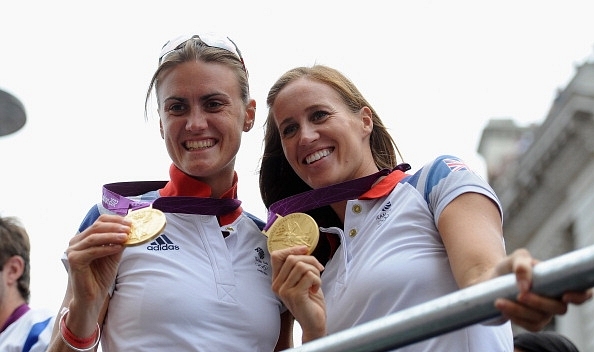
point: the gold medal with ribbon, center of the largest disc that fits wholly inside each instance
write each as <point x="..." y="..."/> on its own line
<point x="147" y="223"/>
<point x="295" y="229"/>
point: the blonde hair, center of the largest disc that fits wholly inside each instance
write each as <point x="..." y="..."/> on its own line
<point x="195" y="50"/>
<point x="274" y="165"/>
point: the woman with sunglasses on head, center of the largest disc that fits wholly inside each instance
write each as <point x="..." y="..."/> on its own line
<point x="204" y="283"/>
<point x="389" y="240"/>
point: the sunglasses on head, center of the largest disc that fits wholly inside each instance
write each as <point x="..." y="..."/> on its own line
<point x="209" y="39"/>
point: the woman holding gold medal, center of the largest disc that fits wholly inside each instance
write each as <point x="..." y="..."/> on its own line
<point x="178" y="265"/>
<point x="389" y="240"/>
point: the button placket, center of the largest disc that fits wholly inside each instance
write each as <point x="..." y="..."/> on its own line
<point x="356" y="209"/>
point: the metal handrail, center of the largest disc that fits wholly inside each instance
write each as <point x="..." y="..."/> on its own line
<point x="471" y="305"/>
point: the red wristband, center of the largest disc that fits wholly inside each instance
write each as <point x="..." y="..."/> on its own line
<point x="75" y="342"/>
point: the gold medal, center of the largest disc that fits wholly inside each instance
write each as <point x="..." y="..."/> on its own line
<point x="147" y="223"/>
<point x="293" y="230"/>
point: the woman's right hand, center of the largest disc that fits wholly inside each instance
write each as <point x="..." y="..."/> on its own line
<point x="93" y="257"/>
<point x="296" y="280"/>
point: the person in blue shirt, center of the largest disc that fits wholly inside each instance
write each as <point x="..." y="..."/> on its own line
<point x="22" y="327"/>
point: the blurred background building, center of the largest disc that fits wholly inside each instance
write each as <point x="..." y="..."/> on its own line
<point x="544" y="177"/>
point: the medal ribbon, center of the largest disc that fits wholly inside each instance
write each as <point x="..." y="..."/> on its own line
<point x="114" y="199"/>
<point x="320" y="197"/>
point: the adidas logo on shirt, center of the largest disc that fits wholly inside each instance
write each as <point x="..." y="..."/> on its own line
<point x="162" y="243"/>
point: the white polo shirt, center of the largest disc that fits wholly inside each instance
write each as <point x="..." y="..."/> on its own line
<point x="191" y="289"/>
<point x="391" y="257"/>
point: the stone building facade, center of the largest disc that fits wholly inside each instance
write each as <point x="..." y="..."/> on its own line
<point x="544" y="177"/>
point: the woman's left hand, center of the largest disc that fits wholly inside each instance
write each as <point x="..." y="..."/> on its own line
<point x="530" y="310"/>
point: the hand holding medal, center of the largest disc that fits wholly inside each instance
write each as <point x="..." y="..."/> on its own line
<point x="295" y="229"/>
<point x="147" y="223"/>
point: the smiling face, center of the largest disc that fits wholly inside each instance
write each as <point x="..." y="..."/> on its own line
<point x="324" y="142"/>
<point x="202" y="117"/>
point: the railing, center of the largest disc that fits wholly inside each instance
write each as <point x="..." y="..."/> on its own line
<point x="475" y="304"/>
